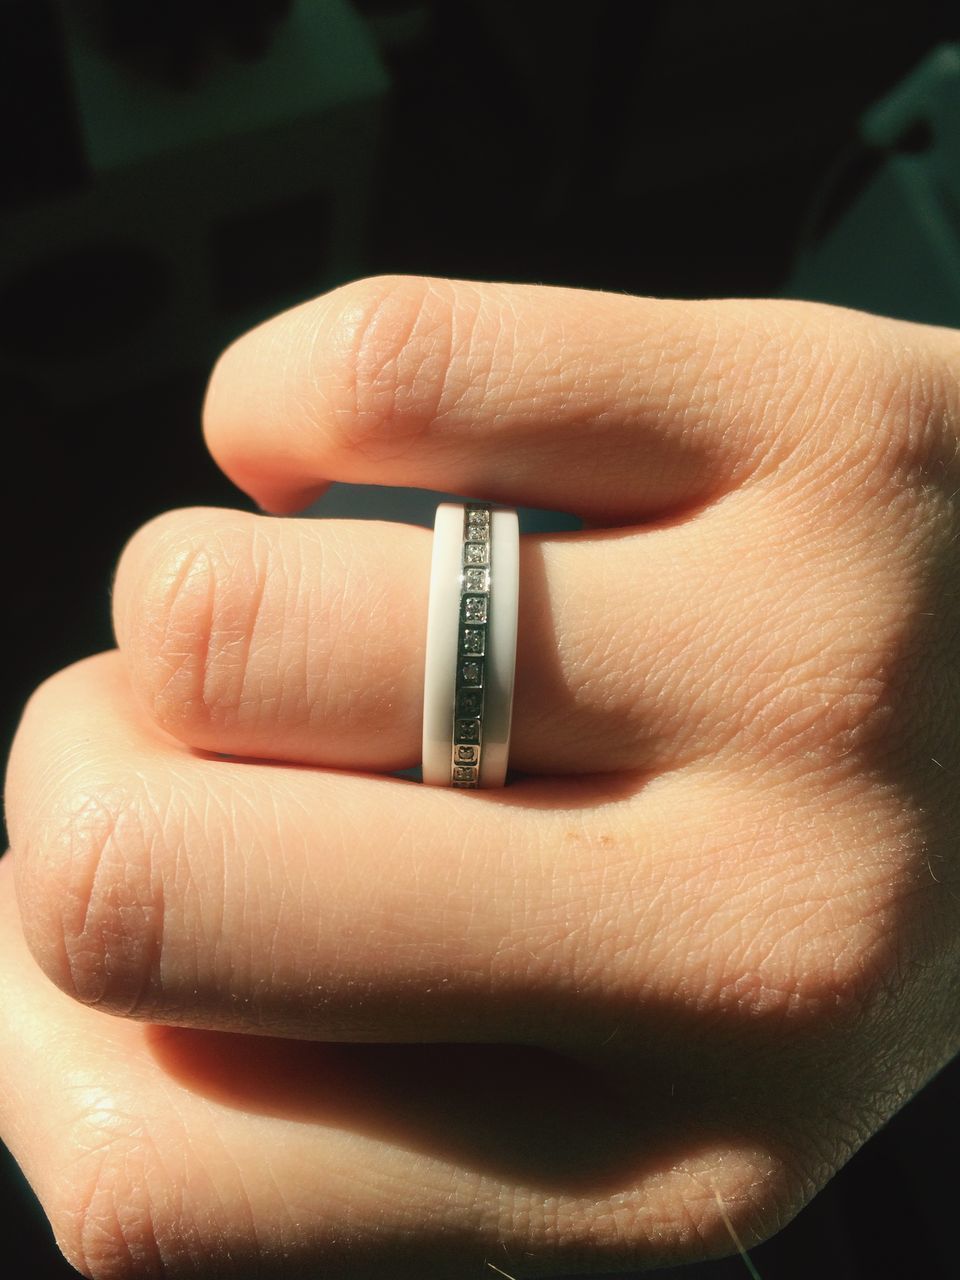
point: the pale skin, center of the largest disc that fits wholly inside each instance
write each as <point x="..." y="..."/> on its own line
<point x="665" y="982"/>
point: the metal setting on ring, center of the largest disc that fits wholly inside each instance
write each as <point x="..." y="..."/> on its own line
<point x="471" y="647"/>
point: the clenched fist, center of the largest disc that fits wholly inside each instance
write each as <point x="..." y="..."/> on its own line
<point x="267" y="1009"/>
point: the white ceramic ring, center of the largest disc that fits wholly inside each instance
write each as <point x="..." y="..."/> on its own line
<point x="471" y="646"/>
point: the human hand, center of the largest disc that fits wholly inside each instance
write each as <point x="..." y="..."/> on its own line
<point x="663" y="984"/>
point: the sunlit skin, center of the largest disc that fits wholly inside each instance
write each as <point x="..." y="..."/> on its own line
<point x="656" y="990"/>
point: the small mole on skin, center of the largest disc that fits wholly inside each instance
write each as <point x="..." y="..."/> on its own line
<point x="576" y="836"/>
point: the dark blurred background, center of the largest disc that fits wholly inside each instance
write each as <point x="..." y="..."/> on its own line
<point x="173" y="173"/>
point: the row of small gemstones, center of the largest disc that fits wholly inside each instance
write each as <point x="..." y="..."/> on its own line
<point x="472" y="647"/>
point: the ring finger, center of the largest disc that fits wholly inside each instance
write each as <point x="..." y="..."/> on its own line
<point x="303" y="640"/>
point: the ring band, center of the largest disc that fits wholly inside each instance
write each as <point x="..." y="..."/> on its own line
<point x="471" y="645"/>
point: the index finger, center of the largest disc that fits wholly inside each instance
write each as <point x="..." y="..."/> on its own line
<point x="612" y="407"/>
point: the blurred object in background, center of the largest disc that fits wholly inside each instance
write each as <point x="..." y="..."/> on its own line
<point x="885" y="234"/>
<point x="217" y="167"/>
<point x="179" y="39"/>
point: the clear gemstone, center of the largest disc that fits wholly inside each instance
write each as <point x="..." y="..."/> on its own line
<point x="475" y="553"/>
<point x="470" y="673"/>
<point x="475" y="609"/>
<point x="468" y="730"/>
<point x="472" y="641"/>
<point x="475" y="579"/>
<point x="467" y="755"/>
<point x="469" y="702"/>
<point x="464" y="773"/>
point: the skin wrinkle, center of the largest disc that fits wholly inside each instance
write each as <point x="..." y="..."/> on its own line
<point x="263" y="699"/>
<point x="88" y="944"/>
<point x="502" y="364"/>
<point x="308" y="711"/>
<point x="713" y="380"/>
<point x="197" y="575"/>
<point x="798" y="603"/>
<point x="237" y="965"/>
<point x="278" y="660"/>
<point x="297" y="363"/>
<point x="348" y="620"/>
<point x="152" y="965"/>
<point x="209" y="895"/>
<point x="90" y="1226"/>
<point x="136" y="918"/>
<point x="930" y="409"/>
<point x="799" y="452"/>
<point x="372" y="373"/>
<point x="254" y="614"/>
<point x="54" y="956"/>
<point x="451" y="340"/>
<point x="93" y="806"/>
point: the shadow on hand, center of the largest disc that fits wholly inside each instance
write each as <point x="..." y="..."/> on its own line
<point x="520" y="1113"/>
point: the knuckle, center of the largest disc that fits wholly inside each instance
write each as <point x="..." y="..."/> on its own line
<point x="834" y="705"/>
<point x="915" y="394"/>
<point x="192" y="628"/>
<point x="102" y="1205"/>
<point x="900" y="429"/>
<point x="857" y="397"/>
<point x="873" y="395"/>
<point x="780" y="912"/>
<point x="91" y="908"/>
<point x="398" y="342"/>
<point x="731" y="1192"/>
<point x="810" y="923"/>
<point x="750" y="1203"/>
<point x="165" y="578"/>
